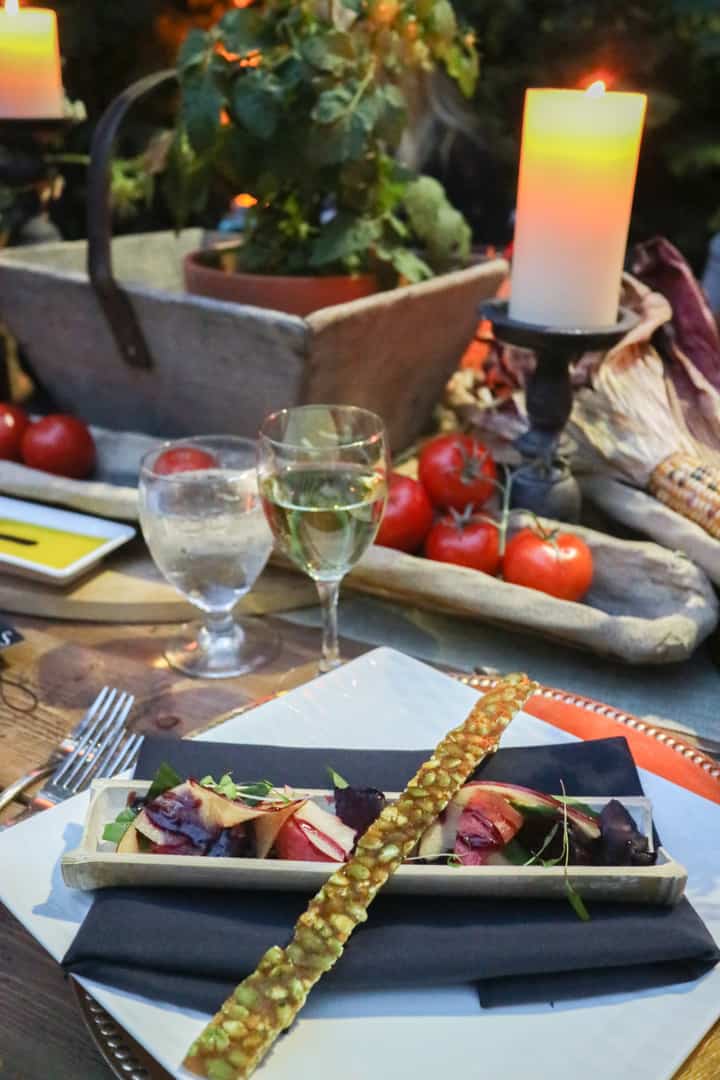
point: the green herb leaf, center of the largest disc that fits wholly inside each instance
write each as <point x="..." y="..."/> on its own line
<point x="574" y="899"/>
<point x="578" y="805"/>
<point x="259" y="790"/>
<point x="345" y="235"/>
<point x="409" y="265"/>
<point x="535" y="856"/>
<point x="336" y="779"/>
<point x="165" y="778"/>
<point x="115" y="830"/>
<point x="201" y="105"/>
<point x="576" y="902"/>
<point x="331" y="105"/>
<point x="251" y="793"/>
<point x="193" y="50"/>
<point x="316" y="53"/>
<point x="516" y="854"/>
<point x="345" y="140"/>
<point x="240" y="30"/>
<point x="257" y="103"/>
<point x="463" y="65"/>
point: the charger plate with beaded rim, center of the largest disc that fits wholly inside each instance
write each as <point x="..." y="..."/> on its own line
<point x="658" y="750"/>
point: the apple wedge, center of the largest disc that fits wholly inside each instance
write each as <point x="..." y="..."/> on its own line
<point x="314" y="835"/>
<point x="525" y="799"/>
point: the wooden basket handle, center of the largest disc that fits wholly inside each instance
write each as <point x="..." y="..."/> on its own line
<point x="114" y="301"/>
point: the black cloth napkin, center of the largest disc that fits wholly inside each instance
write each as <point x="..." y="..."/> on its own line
<point x="191" y="947"/>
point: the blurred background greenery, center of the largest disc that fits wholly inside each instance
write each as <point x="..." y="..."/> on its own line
<point x="668" y="48"/>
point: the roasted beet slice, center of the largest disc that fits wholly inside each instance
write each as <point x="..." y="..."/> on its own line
<point x="621" y="843"/>
<point x="235" y="843"/>
<point x="477" y="837"/>
<point x="358" y="807"/>
<point x="176" y="811"/>
<point x="182" y="847"/>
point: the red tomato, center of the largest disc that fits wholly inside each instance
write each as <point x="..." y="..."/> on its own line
<point x="13" y="421"/>
<point x="559" y="564"/>
<point x="183" y="459"/>
<point x="457" y="470"/>
<point x="61" y="445"/>
<point x="470" y="541"/>
<point x="408" y="515"/>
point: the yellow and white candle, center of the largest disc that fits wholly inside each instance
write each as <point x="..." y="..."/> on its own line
<point x="578" y="166"/>
<point x="30" y="74"/>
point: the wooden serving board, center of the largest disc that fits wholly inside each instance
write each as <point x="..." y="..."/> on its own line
<point x="127" y="588"/>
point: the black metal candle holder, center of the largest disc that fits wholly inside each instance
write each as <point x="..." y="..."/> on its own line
<point x="549" y="395"/>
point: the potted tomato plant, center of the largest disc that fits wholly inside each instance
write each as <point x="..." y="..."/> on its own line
<point x="303" y="106"/>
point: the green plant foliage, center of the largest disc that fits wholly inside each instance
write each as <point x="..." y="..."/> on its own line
<point x="667" y="48"/>
<point x="303" y="103"/>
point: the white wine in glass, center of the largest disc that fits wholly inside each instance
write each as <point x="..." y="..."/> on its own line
<point x="323" y="481"/>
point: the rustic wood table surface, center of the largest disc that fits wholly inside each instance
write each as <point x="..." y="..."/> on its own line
<point x="47" y="682"/>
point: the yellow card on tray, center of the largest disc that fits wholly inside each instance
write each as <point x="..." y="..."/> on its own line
<point x="54" y="548"/>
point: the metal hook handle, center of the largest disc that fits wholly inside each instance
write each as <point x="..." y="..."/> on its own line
<point x="115" y="302"/>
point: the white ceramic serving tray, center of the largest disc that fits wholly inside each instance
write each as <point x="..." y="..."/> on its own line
<point x="96" y="865"/>
<point x="20" y="511"/>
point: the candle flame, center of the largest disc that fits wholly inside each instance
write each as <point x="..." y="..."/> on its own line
<point x="12" y="7"/>
<point x="596" y="89"/>
<point x="244" y="201"/>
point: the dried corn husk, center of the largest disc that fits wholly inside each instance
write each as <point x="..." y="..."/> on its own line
<point x="624" y="423"/>
<point x="690" y="488"/>
<point x="693" y="399"/>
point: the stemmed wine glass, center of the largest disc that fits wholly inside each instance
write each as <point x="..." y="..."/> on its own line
<point x="203" y="522"/>
<point x="323" y="479"/>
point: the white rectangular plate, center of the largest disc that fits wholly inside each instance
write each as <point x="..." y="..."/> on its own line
<point x="96" y="865"/>
<point x="112" y="533"/>
<point x="385" y="700"/>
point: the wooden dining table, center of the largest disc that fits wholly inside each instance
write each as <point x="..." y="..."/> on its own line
<point x="46" y="683"/>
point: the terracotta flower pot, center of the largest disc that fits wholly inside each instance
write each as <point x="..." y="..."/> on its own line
<point x="212" y="273"/>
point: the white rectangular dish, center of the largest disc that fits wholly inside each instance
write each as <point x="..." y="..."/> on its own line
<point x="96" y="865"/>
<point x="31" y="536"/>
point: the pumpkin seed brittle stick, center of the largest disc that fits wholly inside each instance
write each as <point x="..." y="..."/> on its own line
<point x="267" y="1001"/>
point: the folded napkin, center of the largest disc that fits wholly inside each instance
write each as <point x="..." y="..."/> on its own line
<point x="191" y="947"/>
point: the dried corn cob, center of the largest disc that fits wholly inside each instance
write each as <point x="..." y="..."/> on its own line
<point x="268" y="1000"/>
<point x="690" y="488"/>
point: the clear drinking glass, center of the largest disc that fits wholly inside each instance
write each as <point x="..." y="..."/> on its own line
<point x="323" y="480"/>
<point x="209" y="537"/>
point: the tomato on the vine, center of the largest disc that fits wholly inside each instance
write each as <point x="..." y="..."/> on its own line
<point x="183" y="459"/>
<point x="466" y="540"/>
<point x="457" y="470"/>
<point x="560" y="564"/>
<point x="13" y="422"/>
<point x="61" y="445"/>
<point x="408" y="515"/>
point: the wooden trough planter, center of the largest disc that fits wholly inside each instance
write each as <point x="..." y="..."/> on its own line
<point x="221" y="367"/>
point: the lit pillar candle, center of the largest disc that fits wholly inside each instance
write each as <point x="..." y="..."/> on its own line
<point x="30" y="78"/>
<point x="577" y="177"/>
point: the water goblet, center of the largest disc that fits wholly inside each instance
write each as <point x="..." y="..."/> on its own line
<point x="204" y="525"/>
<point x="323" y="480"/>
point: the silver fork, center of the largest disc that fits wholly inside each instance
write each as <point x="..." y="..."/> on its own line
<point x="105" y="749"/>
<point x="98" y="710"/>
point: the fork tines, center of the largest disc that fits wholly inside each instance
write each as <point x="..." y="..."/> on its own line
<point x="104" y="749"/>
